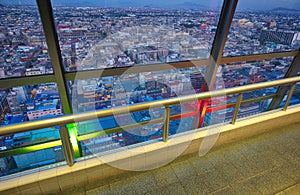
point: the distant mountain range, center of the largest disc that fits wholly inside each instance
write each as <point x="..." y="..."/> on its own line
<point x="189" y="5"/>
<point x="134" y="3"/>
<point x="173" y="4"/>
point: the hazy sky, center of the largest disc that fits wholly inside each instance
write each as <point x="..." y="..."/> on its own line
<point x="243" y="4"/>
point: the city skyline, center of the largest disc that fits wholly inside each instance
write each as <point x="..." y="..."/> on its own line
<point x="200" y="4"/>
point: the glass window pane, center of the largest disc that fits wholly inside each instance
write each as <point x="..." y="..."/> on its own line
<point x="128" y="89"/>
<point x="295" y="97"/>
<point x="251" y="109"/>
<point x="101" y="144"/>
<point x="220" y="115"/>
<point x="106" y="92"/>
<point x="19" y="140"/>
<point x="32" y="161"/>
<point x="244" y="73"/>
<point x="217" y="116"/>
<point x="259" y="27"/>
<point x="23" y="48"/>
<point x="132" y="136"/>
<point x="29" y="103"/>
<point x="108" y="35"/>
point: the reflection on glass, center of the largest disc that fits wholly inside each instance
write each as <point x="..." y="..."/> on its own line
<point x="29" y="103"/>
<point x="262" y="30"/>
<point x="23" y="48"/>
<point x="23" y="162"/>
<point x="132" y="136"/>
<point x="128" y="89"/>
<point x="257" y="93"/>
<point x="217" y="116"/>
<point x="19" y="140"/>
<point x="101" y="144"/>
<point x="296" y="95"/>
<point x="110" y="36"/>
<point x="107" y="92"/>
<point x="220" y="115"/>
<point x="252" y="108"/>
<point x="122" y="137"/>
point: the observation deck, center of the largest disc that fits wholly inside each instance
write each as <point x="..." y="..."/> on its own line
<point x="217" y="112"/>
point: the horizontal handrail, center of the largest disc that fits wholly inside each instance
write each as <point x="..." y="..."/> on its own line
<point x="27" y="126"/>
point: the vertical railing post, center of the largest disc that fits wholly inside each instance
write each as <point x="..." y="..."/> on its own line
<point x="166" y="123"/>
<point x="237" y="107"/>
<point x="66" y="144"/>
<point x="289" y="97"/>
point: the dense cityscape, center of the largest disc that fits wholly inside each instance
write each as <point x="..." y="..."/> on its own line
<point x="100" y="38"/>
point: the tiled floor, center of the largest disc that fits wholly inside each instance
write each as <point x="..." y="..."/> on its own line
<point x="264" y="164"/>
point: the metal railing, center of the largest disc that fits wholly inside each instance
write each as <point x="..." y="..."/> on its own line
<point x="70" y="120"/>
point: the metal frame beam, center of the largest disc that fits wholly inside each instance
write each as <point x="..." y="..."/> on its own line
<point x="86" y="74"/>
<point x="224" y="25"/>
<point x="46" y="14"/>
<point x="95" y="73"/>
<point x="222" y="32"/>
<point x="24" y="81"/>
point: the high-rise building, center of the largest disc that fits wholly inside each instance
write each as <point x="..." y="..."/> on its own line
<point x="73" y="57"/>
<point x="3" y="104"/>
<point x="13" y="103"/>
<point x="281" y="37"/>
<point x="197" y="81"/>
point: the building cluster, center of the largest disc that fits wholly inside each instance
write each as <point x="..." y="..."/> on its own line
<point x="262" y="32"/>
<point x="244" y="73"/>
<point x="114" y="37"/>
<point x="23" y="48"/>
